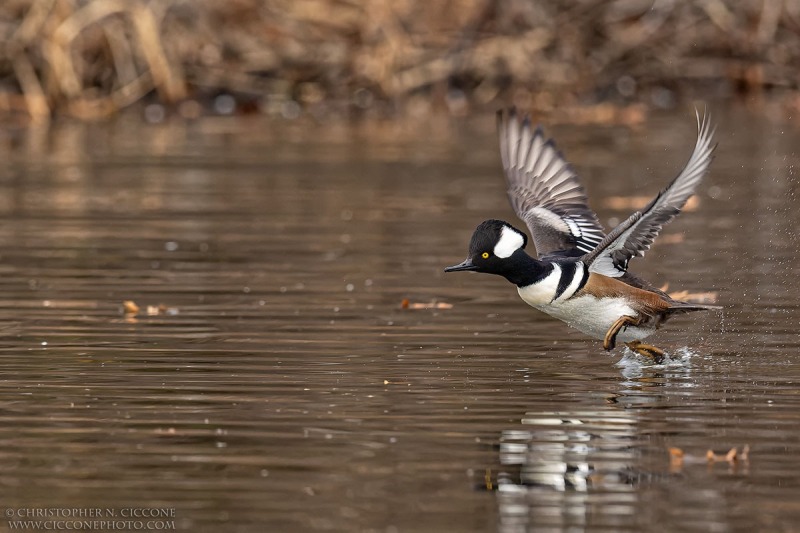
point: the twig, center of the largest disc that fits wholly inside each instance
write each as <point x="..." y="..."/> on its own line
<point x="165" y="76"/>
<point x="35" y="99"/>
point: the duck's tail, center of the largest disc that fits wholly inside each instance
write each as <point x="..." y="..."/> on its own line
<point x="680" y="307"/>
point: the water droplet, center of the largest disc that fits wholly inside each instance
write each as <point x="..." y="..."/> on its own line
<point x="224" y="104"/>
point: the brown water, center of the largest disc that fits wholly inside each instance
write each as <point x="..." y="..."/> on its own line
<point x="281" y="387"/>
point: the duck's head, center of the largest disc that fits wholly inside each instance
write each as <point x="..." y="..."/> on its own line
<point x="495" y="248"/>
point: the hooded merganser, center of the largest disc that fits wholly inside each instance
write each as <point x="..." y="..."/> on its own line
<point x="581" y="276"/>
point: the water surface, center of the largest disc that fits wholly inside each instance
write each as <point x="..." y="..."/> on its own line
<point x="281" y="385"/>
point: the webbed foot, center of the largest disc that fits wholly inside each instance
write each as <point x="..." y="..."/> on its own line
<point x="647" y="350"/>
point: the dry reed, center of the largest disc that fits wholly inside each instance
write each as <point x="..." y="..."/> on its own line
<point x="92" y="58"/>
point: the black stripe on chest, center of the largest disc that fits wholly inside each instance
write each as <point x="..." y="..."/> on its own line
<point x="568" y="273"/>
<point x="585" y="277"/>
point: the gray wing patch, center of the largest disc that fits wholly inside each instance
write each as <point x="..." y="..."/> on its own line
<point x="545" y="191"/>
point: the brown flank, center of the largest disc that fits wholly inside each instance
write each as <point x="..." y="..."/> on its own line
<point x="644" y="302"/>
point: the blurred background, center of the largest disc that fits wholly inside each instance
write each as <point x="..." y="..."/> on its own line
<point x="223" y="226"/>
<point x="591" y="60"/>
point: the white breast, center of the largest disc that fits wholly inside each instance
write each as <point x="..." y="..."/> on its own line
<point x="543" y="291"/>
<point x="593" y="316"/>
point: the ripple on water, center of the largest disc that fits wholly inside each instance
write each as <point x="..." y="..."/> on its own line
<point x="290" y="391"/>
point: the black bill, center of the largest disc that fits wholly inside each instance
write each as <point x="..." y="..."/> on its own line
<point x="466" y="265"/>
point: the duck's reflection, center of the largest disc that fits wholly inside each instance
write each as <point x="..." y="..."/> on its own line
<point x="568" y="468"/>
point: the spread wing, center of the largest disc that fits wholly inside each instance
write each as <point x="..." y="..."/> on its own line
<point x="545" y="191"/>
<point x="635" y="235"/>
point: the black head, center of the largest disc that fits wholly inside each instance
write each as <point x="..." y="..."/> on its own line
<point x="493" y="248"/>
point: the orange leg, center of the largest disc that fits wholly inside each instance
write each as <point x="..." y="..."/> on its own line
<point x="647" y="350"/>
<point x="610" y="340"/>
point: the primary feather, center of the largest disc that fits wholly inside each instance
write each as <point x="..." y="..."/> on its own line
<point x="636" y="234"/>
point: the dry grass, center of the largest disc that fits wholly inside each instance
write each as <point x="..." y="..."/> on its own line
<point x="91" y="58"/>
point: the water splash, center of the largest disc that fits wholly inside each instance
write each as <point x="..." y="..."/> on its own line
<point x="679" y="358"/>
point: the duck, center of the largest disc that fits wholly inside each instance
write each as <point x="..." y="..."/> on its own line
<point x="579" y="273"/>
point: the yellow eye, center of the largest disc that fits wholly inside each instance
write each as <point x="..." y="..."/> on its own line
<point x="485" y="255"/>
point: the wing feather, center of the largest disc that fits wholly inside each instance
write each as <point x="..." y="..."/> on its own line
<point x="636" y="234"/>
<point x="545" y="191"/>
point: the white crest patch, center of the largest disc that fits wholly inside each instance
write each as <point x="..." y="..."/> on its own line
<point x="510" y="241"/>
